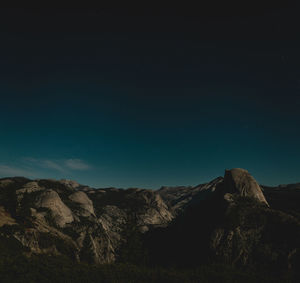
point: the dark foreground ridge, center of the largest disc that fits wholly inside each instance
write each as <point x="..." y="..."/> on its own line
<point x="230" y="227"/>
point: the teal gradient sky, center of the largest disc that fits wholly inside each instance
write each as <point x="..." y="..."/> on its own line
<point x="131" y="109"/>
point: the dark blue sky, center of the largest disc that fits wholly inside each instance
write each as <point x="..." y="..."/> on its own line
<point x="112" y="99"/>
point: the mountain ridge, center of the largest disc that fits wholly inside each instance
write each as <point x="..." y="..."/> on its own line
<point x="229" y="219"/>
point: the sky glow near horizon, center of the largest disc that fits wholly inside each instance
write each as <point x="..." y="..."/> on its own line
<point x="132" y="109"/>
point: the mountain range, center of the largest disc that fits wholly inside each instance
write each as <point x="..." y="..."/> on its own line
<point x="231" y="220"/>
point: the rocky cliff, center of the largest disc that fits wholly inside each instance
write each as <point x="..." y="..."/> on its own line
<point x="232" y="222"/>
<point x="230" y="219"/>
<point x="61" y="217"/>
<point x="238" y="182"/>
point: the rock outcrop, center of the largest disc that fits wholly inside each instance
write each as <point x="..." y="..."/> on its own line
<point x="59" y="211"/>
<point x="63" y="217"/>
<point x="83" y="202"/>
<point x="231" y="219"/>
<point x="250" y="232"/>
<point x="239" y="182"/>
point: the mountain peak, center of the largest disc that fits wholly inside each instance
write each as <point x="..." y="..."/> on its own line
<point x="239" y="181"/>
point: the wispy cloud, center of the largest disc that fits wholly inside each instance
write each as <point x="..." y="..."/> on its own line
<point x="50" y="164"/>
<point x="37" y="168"/>
<point x="76" y="164"/>
<point x="9" y="171"/>
<point x="61" y="165"/>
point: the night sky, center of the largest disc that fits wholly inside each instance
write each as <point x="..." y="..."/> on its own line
<point x="151" y="97"/>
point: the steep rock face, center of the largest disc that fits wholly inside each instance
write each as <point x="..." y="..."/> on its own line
<point x="239" y="182"/>
<point x="113" y="220"/>
<point x="63" y="217"/>
<point x="84" y="203"/>
<point x="249" y="231"/>
<point x="156" y="214"/>
<point x="144" y="208"/>
<point x="228" y="222"/>
<point x="60" y="212"/>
